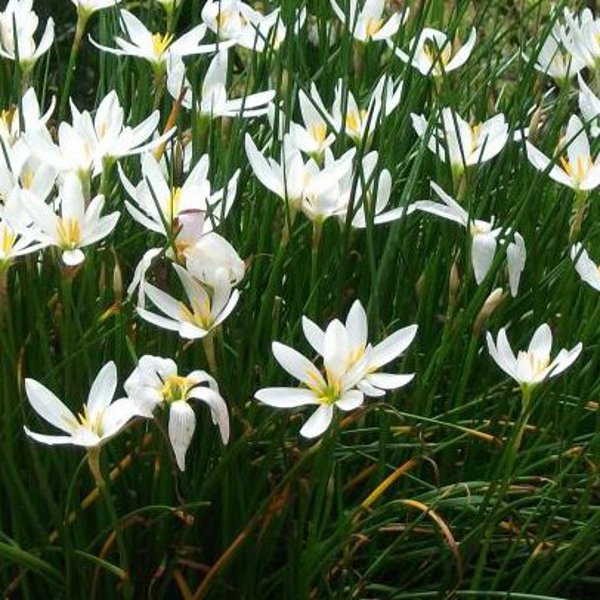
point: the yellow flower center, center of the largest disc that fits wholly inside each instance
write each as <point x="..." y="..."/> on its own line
<point x="27" y="179"/>
<point x="200" y="315"/>
<point x="7" y="117"/>
<point x="354" y="120"/>
<point x="69" y="233"/>
<point x="537" y="363"/>
<point x="318" y="131"/>
<point x="579" y="171"/>
<point x="85" y="421"/>
<point x="161" y="42"/>
<point x="175" y="388"/>
<point x="173" y="204"/>
<point x="437" y="56"/>
<point x="7" y="240"/>
<point x="328" y="392"/>
<point x="373" y="26"/>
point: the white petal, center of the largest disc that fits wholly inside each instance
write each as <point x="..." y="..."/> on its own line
<point x="318" y="422"/>
<point x="182" y="423"/>
<point x="392" y="346"/>
<point x="103" y="389"/>
<point x="49" y="407"/>
<point x="286" y="397"/>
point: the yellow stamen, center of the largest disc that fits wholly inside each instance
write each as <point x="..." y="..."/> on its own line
<point x="373" y="26"/>
<point x="581" y="168"/>
<point x="161" y="42"/>
<point x="69" y="233"/>
<point x="200" y="315"/>
<point x="435" y="55"/>
<point x="175" y="388"/>
<point x="318" y="131"/>
<point x="8" y="239"/>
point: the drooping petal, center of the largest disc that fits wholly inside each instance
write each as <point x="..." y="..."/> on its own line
<point x="318" y="422"/>
<point x="182" y="423"/>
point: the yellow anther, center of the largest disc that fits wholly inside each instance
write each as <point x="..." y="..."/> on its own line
<point x="69" y="233"/>
<point x="161" y="42"/>
<point x="373" y="26"/>
<point x="8" y="240"/>
<point x="318" y="131"/>
<point x="175" y="388"/>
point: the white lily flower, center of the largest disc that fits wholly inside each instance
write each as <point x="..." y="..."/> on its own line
<point x="533" y="366"/>
<point x="360" y="123"/>
<point x="577" y="170"/>
<point x="32" y="118"/>
<point x="556" y="61"/>
<point x="15" y="240"/>
<point x="432" y="52"/>
<point x="236" y="22"/>
<point x="589" y="105"/>
<point x="312" y="137"/>
<point x="586" y="268"/>
<point x="89" y="7"/>
<point x="580" y="37"/>
<point x="460" y="144"/>
<point x="484" y="237"/>
<point x="370" y="23"/>
<point x="213" y="102"/>
<point x="334" y="390"/>
<point x="156" y="48"/>
<point x="293" y="179"/>
<point x="364" y="192"/>
<point x="202" y="313"/>
<point x="99" y="421"/>
<point x="272" y="31"/>
<point x="361" y="356"/>
<point x="76" y="227"/>
<point x="20" y="44"/>
<point x="154" y="383"/>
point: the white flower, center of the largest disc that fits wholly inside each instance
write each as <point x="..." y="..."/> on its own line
<point x="202" y="313"/>
<point x="363" y="184"/>
<point x="484" y="237"/>
<point x="76" y="227"/>
<point x="89" y="7"/>
<point x="100" y="419"/>
<point x="235" y="22"/>
<point x="363" y="358"/>
<point x="350" y="366"/>
<point x="29" y="113"/>
<point x="294" y="180"/>
<point x="360" y="123"/>
<point x="156" y="48"/>
<point x="20" y="43"/>
<point x="155" y="383"/>
<point x="589" y="105"/>
<point x="556" y="62"/>
<point x="586" y="268"/>
<point x="578" y="169"/>
<point x="15" y="241"/>
<point x="463" y="145"/>
<point x="312" y="137"/>
<point x="534" y="366"/>
<point x="580" y="37"/>
<point x="213" y="102"/>
<point x="370" y="23"/>
<point x="432" y="52"/>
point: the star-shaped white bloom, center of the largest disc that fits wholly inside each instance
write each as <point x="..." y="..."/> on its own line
<point x="213" y="101"/>
<point x="578" y="169"/>
<point x="460" y="144"/>
<point x="533" y="366"/>
<point x="76" y="226"/>
<point x="154" y="383"/>
<point x="370" y="22"/>
<point x="432" y="53"/>
<point x="99" y="421"/>
<point x="19" y="44"/>
<point x="484" y="237"/>
<point x="199" y="315"/>
<point x="156" y="48"/>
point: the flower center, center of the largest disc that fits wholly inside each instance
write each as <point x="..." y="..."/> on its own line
<point x="85" y="421"/>
<point x="175" y="388"/>
<point x="354" y="120"/>
<point x="438" y="58"/>
<point x="160" y="42"/>
<point x="579" y="171"/>
<point x="69" y="233"/>
<point x="7" y="240"/>
<point x="200" y="315"/>
<point x="318" y="131"/>
<point x="328" y="392"/>
<point x="373" y="26"/>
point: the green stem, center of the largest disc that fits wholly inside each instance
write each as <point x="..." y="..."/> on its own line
<point x="208" y="343"/>
<point x="314" y="267"/>
<point x="82" y="19"/>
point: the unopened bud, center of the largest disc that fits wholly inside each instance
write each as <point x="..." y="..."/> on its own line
<point x="489" y="306"/>
<point x="453" y="283"/>
<point x="534" y="123"/>
<point x="117" y="280"/>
